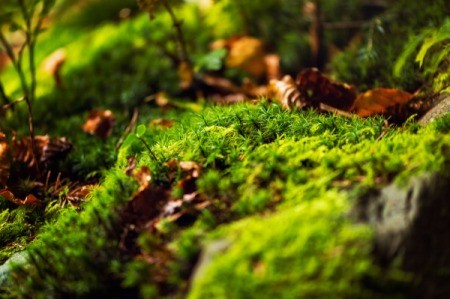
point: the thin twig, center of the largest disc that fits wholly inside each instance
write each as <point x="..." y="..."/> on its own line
<point x="129" y="128"/>
<point x="12" y="104"/>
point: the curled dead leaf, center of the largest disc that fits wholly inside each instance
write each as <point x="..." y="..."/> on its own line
<point x="99" y="123"/>
<point x="47" y="150"/>
<point x="5" y="159"/>
<point x="316" y="88"/>
<point x="285" y="91"/>
<point x="380" y="101"/>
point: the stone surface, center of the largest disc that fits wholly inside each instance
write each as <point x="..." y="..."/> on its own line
<point x="5" y="269"/>
<point x="442" y="108"/>
<point x="209" y="252"/>
<point x="412" y="224"/>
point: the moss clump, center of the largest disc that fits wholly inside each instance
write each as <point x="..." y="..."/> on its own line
<point x="280" y="186"/>
<point x="308" y="251"/>
<point x="20" y="224"/>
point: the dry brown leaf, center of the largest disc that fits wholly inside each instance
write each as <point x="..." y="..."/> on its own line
<point x="79" y="194"/>
<point x="191" y="168"/>
<point x="147" y="202"/>
<point x="47" y="150"/>
<point x="380" y="101"/>
<point x="30" y="200"/>
<point x="143" y="177"/>
<point x="247" y="53"/>
<point x="285" y="91"/>
<point x="162" y="123"/>
<point x="5" y="159"/>
<point x="8" y="195"/>
<point x="99" y="123"/>
<point x="316" y="88"/>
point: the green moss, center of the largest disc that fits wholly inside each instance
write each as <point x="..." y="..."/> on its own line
<point x="310" y="251"/>
<point x="284" y="181"/>
<point x="20" y="224"/>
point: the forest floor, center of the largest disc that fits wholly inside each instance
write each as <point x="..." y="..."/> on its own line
<point x="160" y="196"/>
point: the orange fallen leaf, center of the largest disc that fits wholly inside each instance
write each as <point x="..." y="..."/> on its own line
<point x="247" y="53"/>
<point x="5" y="159"/>
<point x="99" y="123"/>
<point x="379" y="101"/>
<point x="316" y="88"/>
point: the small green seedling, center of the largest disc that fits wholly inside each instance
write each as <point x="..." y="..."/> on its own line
<point x="140" y="131"/>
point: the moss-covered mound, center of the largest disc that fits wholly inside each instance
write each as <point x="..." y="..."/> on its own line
<point x="280" y="186"/>
<point x="245" y="201"/>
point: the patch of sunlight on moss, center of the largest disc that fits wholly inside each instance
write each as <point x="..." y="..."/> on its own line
<point x="310" y="251"/>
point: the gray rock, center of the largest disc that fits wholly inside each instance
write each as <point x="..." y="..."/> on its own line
<point x="209" y="252"/>
<point x="5" y="269"/>
<point x="442" y="108"/>
<point x="413" y="224"/>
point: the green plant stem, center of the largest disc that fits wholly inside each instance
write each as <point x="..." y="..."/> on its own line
<point x="3" y="95"/>
<point x="182" y="49"/>
<point x="148" y="148"/>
